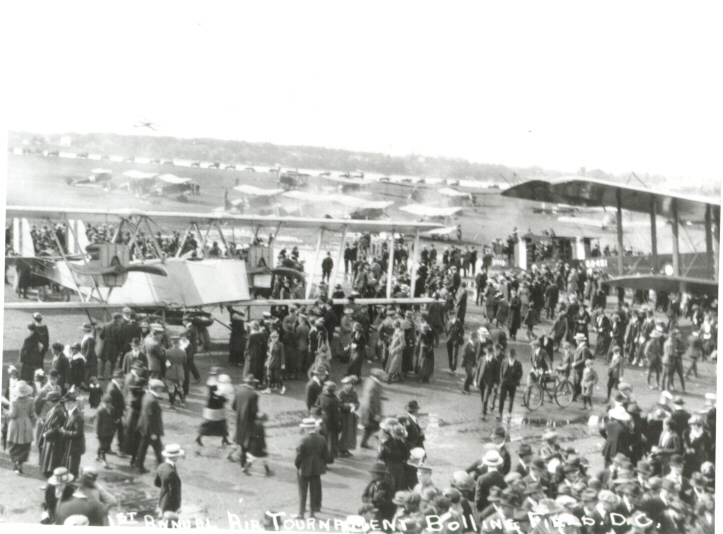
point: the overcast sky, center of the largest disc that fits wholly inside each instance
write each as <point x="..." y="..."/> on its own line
<point x="627" y="86"/>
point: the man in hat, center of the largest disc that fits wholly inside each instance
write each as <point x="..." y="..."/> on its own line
<point x="415" y="435"/>
<point x="314" y="387"/>
<point x="73" y="433"/>
<point x="523" y="466"/>
<point x="62" y="366"/>
<point x="330" y="415"/>
<point x="175" y="365"/>
<point x="168" y="480"/>
<point x="582" y="354"/>
<point x="156" y="352"/>
<point x="455" y="338"/>
<point x="652" y="352"/>
<point x="30" y="354"/>
<point x="51" y="440"/>
<point x="246" y="405"/>
<point x="193" y="338"/>
<point x="150" y="424"/>
<point x="87" y="349"/>
<point x="510" y="377"/>
<point x="43" y="335"/>
<point x="118" y="402"/>
<point x="129" y="330"/>
<point x="680" y="417"/>
<point x="255" y="353"/>
<point x="493" y="461"/>
<point x="327" y="264"/>
<point x="110" y="344"/>
<point x="379" y="493"/>
<point x="487" y="378"/>
<point x="618" y="437"/>
<point x="133" y="356"/>
<point x="312" y="455"/>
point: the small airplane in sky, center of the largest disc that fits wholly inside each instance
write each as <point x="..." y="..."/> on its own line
<point x="145" y="123"/>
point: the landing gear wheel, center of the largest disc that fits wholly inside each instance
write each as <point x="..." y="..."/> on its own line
<point x="564" y="393"/>
<point x="42" y="294"/>
<point x="532" y="397"/>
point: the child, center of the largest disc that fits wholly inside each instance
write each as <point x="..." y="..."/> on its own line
<point x="96" y="393"/>
<point x="105" y="425"/>
<point x="589" y="379"/>
<point x="531" y="319"/>
<point x="257" y="445"/>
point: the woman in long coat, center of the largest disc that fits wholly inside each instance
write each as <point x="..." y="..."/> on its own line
<point x="503" y="309"/>
<point x="255" y="353"/>
<point x="214" y="415"/>
<point x="515" y="317"/>
<point x="132" y="434"/>
<point x="348" y="406"/>
<point x="426" y="354"/>
<point x="21" y="419"/>
<point x="87" y="349"/>
<point x="237" y="341"/>
<point x="358" y="351"/>
<point x="345" y="330"/>
<point x="396" y="352"/>
<point x="51" y="441"/>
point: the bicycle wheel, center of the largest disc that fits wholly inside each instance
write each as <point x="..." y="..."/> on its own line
<point x="564" y="391"/>
<point x="533" y="397"/>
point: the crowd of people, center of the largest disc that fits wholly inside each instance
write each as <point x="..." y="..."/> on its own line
<point x="139" y="362"/>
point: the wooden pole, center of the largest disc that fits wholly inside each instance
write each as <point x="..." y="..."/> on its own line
<point x="653" y="235"/>
<point x="415" y="264"/>
<point x="313" y="265"/>
<point x="390" y="267"/>
<point x="716" y="243"/>
<point x="676" y="251"/>
<point x="339" y="261"/>
<point x="621" y="250"/>
<point x="710" y="269"/>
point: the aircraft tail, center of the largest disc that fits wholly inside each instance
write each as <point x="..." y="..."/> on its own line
<point x="22" y="240"/>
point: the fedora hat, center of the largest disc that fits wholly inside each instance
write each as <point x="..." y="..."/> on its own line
<point x="173" y="451"/>
<point x="60" y="476"/>
<point x="87" y="327"/>
<point x="23" y="389"/>
<point x="156" y="384"/>
<point x="462" y="480"/>
<point x="644" y="467"/>
<point x="330" y="386"/>
<point x="524" y="450"/>
<point x="492" y="459"/>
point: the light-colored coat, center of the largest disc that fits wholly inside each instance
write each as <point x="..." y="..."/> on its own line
<point x="21" y="421"/>
<point x="371" y="402"/>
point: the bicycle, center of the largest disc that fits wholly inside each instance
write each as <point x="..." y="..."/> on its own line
<point x="562" y="393"/>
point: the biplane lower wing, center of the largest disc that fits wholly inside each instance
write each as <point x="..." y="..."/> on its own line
<point x="44" y="306"/>
<point x="666" y="284"/>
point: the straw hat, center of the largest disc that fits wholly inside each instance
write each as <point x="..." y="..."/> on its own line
<point x="60" y="476"/>
<point x="77" y="520"/>
<point x="308" y="422"/>
<point x="492" y="459"/>
<point x="173" y="451"/>
<point x="462" y="480"/>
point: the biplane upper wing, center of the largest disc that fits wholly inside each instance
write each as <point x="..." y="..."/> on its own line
<point x="590" y="192"/>
<point x="138" y="175"/>
<point x="666" y="284"/>
<point x="173" y="179"/>
<point x="449" y="192"/>
<point x="171" y="217"/>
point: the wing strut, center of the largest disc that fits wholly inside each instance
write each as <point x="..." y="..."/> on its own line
<point x="339" y="260"/>
<point x="390" y="270"/>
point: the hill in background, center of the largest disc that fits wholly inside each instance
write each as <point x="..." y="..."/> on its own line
<point x="308" y="157"/>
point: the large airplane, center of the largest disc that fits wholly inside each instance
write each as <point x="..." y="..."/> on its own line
<point x="676" y="208"/>
<point x="105" y="275"/>
<point x="436" y="213"/>
<point x="145" y="123"/>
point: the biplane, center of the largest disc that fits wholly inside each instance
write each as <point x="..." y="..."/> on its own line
<point x="676" y="208"/>
<point x="361" y="209"/>
<point x="105" y="275"/>
<point x="436" y="213"/>
<point x="97" y="178"/>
